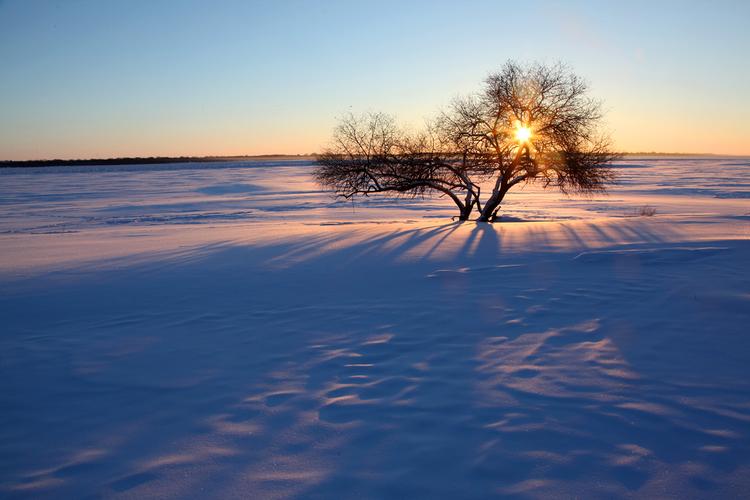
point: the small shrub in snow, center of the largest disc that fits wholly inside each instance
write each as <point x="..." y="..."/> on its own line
<point x="646" y="211"/>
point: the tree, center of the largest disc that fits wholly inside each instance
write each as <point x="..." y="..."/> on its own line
<point x="528" y="124"/>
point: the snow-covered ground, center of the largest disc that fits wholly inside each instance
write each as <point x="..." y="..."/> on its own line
<point x="228" y="330"/>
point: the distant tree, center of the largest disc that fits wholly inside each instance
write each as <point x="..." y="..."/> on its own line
<point x="529" y="123"/>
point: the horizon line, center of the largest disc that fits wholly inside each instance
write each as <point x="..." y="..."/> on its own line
<point x="163" y="158"/>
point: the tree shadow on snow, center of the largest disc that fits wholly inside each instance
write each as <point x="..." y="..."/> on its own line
<point x="419" y="362"/>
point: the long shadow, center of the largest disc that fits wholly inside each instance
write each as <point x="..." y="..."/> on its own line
<point x="355" y="373"/>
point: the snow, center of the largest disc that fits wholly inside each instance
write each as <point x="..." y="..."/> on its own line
<point x="228" y="330"/>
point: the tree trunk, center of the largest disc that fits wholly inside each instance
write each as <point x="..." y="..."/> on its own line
<point x="490" y="208"/>
<point x="465" y="212"/>
<point x="502" y="185"/>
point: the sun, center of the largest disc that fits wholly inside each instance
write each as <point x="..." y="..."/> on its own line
<point x="523" y="133"/>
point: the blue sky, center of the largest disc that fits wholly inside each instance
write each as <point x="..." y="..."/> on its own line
<point x="101" y="78"/>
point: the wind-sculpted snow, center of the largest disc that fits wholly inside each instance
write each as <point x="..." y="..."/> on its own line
<point x="236" y="333"/>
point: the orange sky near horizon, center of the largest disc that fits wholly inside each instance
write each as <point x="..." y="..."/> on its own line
<point x="91" y="79"/>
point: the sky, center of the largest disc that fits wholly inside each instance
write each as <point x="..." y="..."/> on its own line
<point x="110" y="78"/>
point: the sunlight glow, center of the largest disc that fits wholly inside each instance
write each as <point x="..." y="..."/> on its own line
<point x="523" y="133"/>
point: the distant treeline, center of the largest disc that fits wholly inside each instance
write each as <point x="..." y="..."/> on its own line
<point x="204" y="159"/>
<point x="142" y="160"/>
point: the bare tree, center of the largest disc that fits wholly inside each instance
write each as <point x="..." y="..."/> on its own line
<point x="529" y="123"/>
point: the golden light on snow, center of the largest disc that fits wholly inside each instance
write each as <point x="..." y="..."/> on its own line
<point x="523" y="133"/>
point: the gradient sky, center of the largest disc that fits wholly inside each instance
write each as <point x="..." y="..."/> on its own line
<point x="106" y="78"/>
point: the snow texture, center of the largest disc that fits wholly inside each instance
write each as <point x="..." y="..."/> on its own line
<point x="227" y="330"/>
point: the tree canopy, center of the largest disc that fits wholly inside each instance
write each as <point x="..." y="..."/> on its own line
<point x="527" y="123"/>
